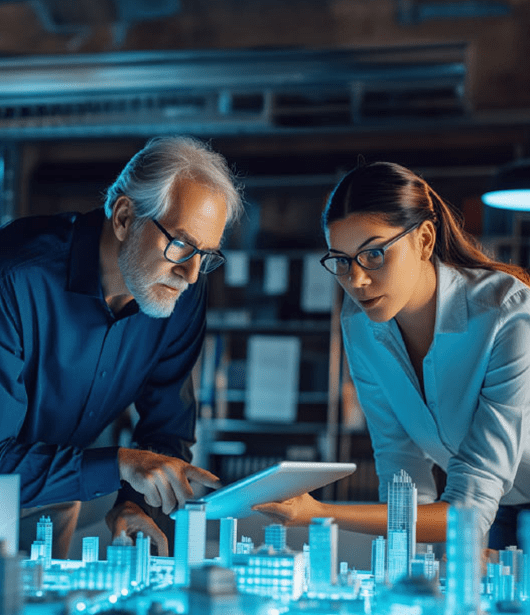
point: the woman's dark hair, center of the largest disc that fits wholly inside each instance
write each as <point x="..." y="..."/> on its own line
<point x="403" y="199"/>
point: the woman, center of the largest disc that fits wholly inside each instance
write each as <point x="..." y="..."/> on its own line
<point x="437" y="337"/>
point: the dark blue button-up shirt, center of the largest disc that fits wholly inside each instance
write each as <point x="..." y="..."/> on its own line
<point x="69" y="366"/>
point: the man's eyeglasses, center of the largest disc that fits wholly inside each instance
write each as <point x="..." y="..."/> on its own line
<point x="371" y="259"/>
<point x="178" y="251"/>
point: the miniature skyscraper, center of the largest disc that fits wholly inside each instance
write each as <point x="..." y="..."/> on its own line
<point x="323" y="537"/>
<point x="190" y="539"/>
<point x="401" y="525"/>
<point x="44" y="539"/>
<point x="90" y="549"/>
<point x="143" y="561"/>
<point x="121" y="562"/>
<point x="227" y="540"/>
<point x="275" y="536"/>
<point x="523" y="536"/>
<point x="10" y="511"/>
<point x="463" y="561"/>
<point x="11" y="594"/>
<point x="379" y="559"/>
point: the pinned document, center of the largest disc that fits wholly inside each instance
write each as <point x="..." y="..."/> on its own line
<point x="273" y="366"/>
<point x="317" y="286"/>
<point x="236" y="268"/>
<point x="276" y="274"/>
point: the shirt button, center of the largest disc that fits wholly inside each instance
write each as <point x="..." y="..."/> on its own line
<point x="102" y="374"/>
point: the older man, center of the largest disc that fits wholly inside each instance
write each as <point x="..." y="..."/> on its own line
<point x="102" y="310"/>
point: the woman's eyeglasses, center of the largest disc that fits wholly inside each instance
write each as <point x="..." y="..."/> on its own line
<point x="371" y="259"/>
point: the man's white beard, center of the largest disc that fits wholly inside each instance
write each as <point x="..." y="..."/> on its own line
<point x="152" y="299"/>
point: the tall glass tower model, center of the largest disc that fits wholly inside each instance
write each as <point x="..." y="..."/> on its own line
<point x="323" y="539"/>
<point x="463" y="561"/>
<point x="45" y="535"/>
<point x="401" y="525"/>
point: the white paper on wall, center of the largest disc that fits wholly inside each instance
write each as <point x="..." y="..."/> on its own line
<point x="273" y="366"/>
<point x="276" y="274"/>
<point x="317" y="286"/>
<point x="236" y="268"/>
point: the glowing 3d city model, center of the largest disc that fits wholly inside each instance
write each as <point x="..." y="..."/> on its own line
<point x="271" y="579"/>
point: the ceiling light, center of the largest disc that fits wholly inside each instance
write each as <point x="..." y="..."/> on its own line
<point x="511" y="187"/>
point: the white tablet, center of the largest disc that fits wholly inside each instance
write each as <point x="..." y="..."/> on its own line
<point x="280" y="482"/>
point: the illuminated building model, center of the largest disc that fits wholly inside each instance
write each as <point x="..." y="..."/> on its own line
<point x="271" y="579"/>
<point x="41" y="549"/>
<point x="401" y="526"/>
<point x="463" y="561"/>
<point x="11" y="601"/>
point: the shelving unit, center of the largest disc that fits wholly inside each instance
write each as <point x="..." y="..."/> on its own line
<point x="264" y="301"/>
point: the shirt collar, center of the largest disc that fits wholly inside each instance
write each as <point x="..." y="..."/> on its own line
<point x="84" y="275"/>
<point x="451" y="300"/>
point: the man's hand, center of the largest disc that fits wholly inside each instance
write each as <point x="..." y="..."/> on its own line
<point x="163" y="480"/>
<point x="131" y="519"/>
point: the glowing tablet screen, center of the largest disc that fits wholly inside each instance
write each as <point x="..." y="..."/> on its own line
<point x="280" y="482"/>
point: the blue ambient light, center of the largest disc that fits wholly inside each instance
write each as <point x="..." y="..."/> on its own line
<point x="508" y="199"/>
<point x="511" y="187"/>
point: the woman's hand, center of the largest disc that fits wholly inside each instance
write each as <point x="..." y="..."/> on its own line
<point x="295" y="511"/>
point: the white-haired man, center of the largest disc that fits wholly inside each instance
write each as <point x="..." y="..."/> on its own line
<point x="102" y="310"/>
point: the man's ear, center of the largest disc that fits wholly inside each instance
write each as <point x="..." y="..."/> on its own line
<point x="122" y="217"/>
<point x="427" y="239"/>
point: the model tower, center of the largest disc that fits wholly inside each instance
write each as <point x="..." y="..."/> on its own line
<point x="190" y="539"/>
<point x="45" y="537"/>
<point x="227" y="540"/>
<point x="90" y="549"/>
<point x="463" y="561"/>
<point x="323" y="538"/>
<point x="401" y="525"/>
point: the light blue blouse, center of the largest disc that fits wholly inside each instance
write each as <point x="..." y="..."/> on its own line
<point x="474" y="419"/>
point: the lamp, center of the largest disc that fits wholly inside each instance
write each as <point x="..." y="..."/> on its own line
<point x="511" y="187"/>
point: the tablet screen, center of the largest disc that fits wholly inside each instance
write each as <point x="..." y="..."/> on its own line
<point x="279" y="482"/>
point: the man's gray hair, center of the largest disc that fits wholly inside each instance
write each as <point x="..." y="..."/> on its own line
<point x="150" y="174"/>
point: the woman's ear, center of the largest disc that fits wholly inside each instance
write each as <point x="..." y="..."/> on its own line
<point x="427" y="239"/>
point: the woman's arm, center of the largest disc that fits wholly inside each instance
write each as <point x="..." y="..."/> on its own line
<point x="363" y="518"/>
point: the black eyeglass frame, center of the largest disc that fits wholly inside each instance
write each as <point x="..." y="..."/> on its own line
<point x="195" y="251"/>
<point x="355" y="258"/>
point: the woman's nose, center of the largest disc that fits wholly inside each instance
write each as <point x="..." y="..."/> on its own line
<point x="358" y="276"/>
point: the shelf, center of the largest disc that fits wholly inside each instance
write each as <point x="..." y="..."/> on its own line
<point x="246" y="426"/>
<point x="293" y="327"/>
<point x="304" y="397"/>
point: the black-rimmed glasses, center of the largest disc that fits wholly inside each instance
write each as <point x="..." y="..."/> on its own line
<point x="371" y="259"/>
<point x="179" y="251"/>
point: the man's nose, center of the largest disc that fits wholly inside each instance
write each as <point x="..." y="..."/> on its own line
<point x="190" y="269"/>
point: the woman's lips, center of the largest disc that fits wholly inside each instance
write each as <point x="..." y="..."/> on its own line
<point x="370" y="303"/>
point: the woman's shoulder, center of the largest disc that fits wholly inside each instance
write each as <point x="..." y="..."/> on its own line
<point x="493" y="288"/>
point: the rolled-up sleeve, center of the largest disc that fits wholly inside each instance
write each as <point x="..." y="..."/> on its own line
<point x="488" y="458"/>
